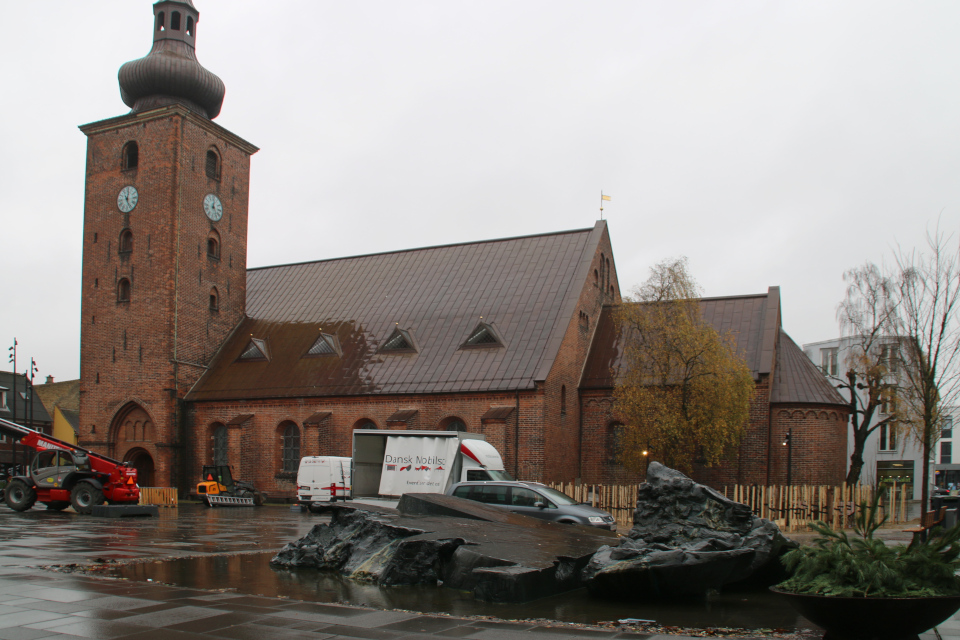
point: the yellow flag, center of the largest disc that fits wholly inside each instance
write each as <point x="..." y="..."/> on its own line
<point x="605" y="197"/>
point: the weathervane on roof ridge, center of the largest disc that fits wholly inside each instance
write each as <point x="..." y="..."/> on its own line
<point x="602" y="198"/>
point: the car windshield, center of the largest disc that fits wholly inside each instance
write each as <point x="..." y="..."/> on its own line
<point x="556" y="496"/>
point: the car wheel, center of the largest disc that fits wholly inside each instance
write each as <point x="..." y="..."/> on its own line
<point x="20" y="496"/>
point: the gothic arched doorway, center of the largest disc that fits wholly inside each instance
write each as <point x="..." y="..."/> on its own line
<point x="142" y="461"/>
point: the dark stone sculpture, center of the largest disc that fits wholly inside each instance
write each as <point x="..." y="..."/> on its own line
<point x="497" y="555"/>
<point x="686" y="540"/>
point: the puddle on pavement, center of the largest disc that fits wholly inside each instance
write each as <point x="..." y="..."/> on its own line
<point x="252" y="574"/>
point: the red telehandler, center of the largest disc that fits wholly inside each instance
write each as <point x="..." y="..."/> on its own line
<point x="63" y="474"/>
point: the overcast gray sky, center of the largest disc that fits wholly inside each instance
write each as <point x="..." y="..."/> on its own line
<point x="773" y="143"/>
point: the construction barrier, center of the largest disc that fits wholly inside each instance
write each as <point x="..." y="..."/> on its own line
<point x="159" y="496"/>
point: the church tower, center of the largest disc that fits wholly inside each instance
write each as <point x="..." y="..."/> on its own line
<point x="164" y="249"/>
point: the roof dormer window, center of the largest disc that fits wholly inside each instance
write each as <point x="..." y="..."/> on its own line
<point x="483" y="335"/>
<point x="400" y="341"/>
<point x="256" y="350"/>
<point x="325" y="345"/>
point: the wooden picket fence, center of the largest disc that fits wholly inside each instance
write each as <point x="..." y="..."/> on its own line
<point x="619" y="500"/>
<point x="792" y="508"/>
<point x="159" y="496"/>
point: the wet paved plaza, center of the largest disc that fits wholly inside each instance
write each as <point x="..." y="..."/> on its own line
<point x="37" y="603"/>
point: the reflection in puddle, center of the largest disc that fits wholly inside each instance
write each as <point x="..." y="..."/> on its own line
<point x="252" y="574"/>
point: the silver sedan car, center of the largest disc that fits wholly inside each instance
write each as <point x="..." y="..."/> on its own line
<point x="536" y="500"/>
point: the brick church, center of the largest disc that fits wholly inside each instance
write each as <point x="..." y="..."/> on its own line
<point x="189" y="358"/>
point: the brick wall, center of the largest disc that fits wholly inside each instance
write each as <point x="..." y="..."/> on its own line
<point x="819" y="444"/>
<point x="561" y="425"/>
<point x="255" y="450"/>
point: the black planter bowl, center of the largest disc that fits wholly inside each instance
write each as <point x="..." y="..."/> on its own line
<point x="851" y="618"/>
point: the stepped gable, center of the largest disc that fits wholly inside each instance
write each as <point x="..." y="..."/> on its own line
<point x="525" y="287"/>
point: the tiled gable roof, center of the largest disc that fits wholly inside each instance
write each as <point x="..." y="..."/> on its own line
<point x="527" y="288"/>
<point x="797" y="380"/>
<point x="747" y="318"/>
<point x="754" y="322"/>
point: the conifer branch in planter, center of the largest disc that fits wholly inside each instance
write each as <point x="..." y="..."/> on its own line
<point x="864" y="566"/>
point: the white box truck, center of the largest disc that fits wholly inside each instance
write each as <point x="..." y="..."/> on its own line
<point x="391" y="463"/>
<point x="323" y="479"/>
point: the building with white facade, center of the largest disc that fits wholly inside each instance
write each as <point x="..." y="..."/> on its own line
<point x="891" y="453"/>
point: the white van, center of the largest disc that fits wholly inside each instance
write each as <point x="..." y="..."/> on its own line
<point x="323" y="479"/>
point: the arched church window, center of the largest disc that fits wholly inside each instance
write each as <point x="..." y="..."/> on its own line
<point x="160" y="21"/>
<point x="214" y="299"/>
<point x="130" y="155"/>
<point x="365" y="423"/>
<point x="126" y="241"/>
<point x="456" y="424"/>
<point x="563" y="400"/>
<point x="175" y="21"/>
<point x="596" y="278"/>
<point x="123" y="290"/>
<point x="213" y="164"/>
<point x="220" y="445"/>
<point x="213" y="245"/>
<point x="290" y="448"/>
<point x="189" y="25"/>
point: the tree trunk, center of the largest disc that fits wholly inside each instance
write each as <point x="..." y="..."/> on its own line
<point x="856" y="466"/>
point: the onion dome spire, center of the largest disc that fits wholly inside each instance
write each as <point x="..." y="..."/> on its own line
<point x="170" y="73"/>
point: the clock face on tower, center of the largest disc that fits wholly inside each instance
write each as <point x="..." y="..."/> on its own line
<point x="212" y="207"/>
<point x="127" y="199"/>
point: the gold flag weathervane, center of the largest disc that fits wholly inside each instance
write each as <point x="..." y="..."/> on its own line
<point x="602" y="198"/>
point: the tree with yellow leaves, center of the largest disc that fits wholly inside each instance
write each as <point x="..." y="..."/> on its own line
<point x="684" y="395"/>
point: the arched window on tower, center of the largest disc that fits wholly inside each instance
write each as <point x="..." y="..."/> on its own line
<point x="126" y="241"/>
<point x="290" y="451"/>
<point x="213" y="244"/>
<point x="563" y="400"/>
<point x="214" y="299"/>
<point x="130" y="156"/>
<point x="123" y="290"/>
<point x="175" y="21"/>
<point x="190" y="25"/>
<point x="213" y="164"/>
<point x="160" y="21"/>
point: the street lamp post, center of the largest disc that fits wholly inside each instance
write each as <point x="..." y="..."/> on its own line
<point x="788" y="443"/>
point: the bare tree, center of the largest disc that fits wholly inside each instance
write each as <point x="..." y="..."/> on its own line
<point x="928" y="303"/>
<point x="867" y="321"/>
